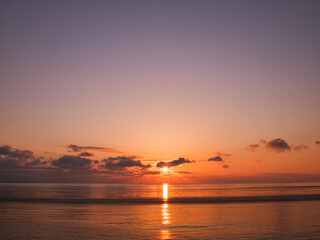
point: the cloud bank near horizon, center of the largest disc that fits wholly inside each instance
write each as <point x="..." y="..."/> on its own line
<point x="16" y="162"/>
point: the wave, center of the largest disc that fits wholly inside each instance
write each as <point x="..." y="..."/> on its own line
<point x="180" y="200"/>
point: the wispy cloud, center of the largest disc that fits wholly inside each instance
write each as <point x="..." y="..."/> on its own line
<point x="222" y="154"/>
<point x="76" y="148"/>
<point x="85" y="154"/>
<point x="173" y="163"/>
<point x="253" y="147"/>
<point x="300" y="147"/>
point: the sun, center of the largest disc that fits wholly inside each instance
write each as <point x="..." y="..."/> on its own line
<point x="165" y="169"/>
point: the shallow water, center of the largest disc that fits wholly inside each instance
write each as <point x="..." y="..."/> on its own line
<point x="165" y="220"/>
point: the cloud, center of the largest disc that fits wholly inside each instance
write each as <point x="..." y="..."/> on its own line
<point x="14" y="158"/>
<point x="72" y="162"/>
<point x="85" y="154"/>
<point x="118" y="158"/>
<point x="9" y="163"/>
<point x="222" y="154"/>
<point x="147" y="172"/>
<point x="278" y="145"/>
<point x="216" y="159"/>
<point x="317" y="142"/>
<point x="122" y="163"/>
<point x="5" y="150"/>
<point x="219" y="160"/>
<point x="262" y="141"/>
<point x="173" y="163"/>
<point x="183" y="172"/>
<point x="253" y="147"/>
<point x="300" y="147"/>
<point x="76" y="148"/>
<point x="21" y="154"/>
<point x="126" y="166"/>
<point x="36" y="163"/>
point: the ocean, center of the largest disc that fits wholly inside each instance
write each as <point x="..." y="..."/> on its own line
<point x="159" y="211"/>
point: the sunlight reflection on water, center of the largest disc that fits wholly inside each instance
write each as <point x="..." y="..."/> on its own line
<point x="165" y="192"/>
<point x="165" y="214"/>
<point x="165" y="233"/>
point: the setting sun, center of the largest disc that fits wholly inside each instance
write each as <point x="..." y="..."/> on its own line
<point x="165" y="169"/>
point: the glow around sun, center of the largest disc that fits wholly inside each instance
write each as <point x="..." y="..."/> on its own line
<point x="165" y="169"/>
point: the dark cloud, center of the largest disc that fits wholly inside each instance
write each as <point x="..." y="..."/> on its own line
<point x="301" y="147"/>
<point x="173" y="163"/>
<point x="278" y="145"/>
<point x="76" y="148"/>
<point x="5" y="150"/>
<point x="253" y="147"/>
<point x="36" y="162"/>
<point x="122" y="163"/>
<point x="85" y="154"/>
<point x="15" y="163"/>
<point x="72" y="162"/>
<point x="216" y="159"/>
<point x="162" y="164"/>
<point x="20" y="154"/>
<point x="317" y="142"/>
<point x="219" y="160"/>
<point x="9" y="163"/>
<point x="14" y="158"/>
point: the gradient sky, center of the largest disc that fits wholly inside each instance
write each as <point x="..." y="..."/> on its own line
<point x="155" y="81"/>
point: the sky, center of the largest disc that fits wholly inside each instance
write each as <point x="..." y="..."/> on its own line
<point x="113" y="91"/>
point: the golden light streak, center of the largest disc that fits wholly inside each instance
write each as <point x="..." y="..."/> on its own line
<point x="165" y="206"/>
<point x="165" y="192"/>
<point x="165" y="214"/>
<point x="165" y="234"/>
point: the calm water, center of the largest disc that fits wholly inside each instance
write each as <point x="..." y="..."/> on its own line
<point x="125" y="211"/>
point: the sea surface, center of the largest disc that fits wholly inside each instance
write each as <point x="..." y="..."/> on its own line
<point x="159" y="211"/>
